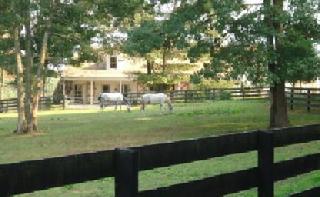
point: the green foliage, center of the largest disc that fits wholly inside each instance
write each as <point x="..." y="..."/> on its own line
<point x="9" y="91"/>
<point x="173" y="74"/>
<point x="224" y="95"/>
<point x="236" y="40"/>
<point x="213" y="84"/>
<point x="159" y="39"/>
<point x="144" y="39"/>
<point x="121" y="8"/>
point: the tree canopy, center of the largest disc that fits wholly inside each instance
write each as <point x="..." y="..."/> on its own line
<point x="239" y="42"/>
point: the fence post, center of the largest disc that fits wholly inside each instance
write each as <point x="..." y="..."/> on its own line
<point x="7" y="108"/>
<point x="265" y="164"/>
<point x="242" y="91"/>
<point x="126" y="175"/>
<point x="186" y="96"/>
<point x="40" y="103"/>
<point x="291" y="99"/>
<point x="63" y="102"/>
<point x="308" y="100"/>
<point x="172" y="95"/>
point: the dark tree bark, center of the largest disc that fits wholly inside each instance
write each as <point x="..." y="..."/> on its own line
<point x="1" y="81"/>
<point x="278" y="106"/>
<point x="28" y="74"/>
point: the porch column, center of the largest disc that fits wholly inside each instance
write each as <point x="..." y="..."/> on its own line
<point x="120" y="86"/>
<point x="63" y="87"/>
<point x="64" y="93"/>
<point x="91" y="92"/>
<point x="84" y="94"/>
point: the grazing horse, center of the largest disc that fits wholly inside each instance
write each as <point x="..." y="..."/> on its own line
<point x="160" y="98"/>
<point x="115" y="98"/>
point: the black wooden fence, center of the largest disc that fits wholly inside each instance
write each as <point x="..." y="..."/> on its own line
<point x="12" y="104"/>
<point x="308" y="98"/>
<point x="188" y="96"/>
<point x="125" y="164"/>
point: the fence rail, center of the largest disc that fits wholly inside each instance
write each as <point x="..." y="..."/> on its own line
<point x="12" y="104"/>
<point x="125" y="164"/>
<point x="188" y="96"/>
<point x="307" y="98"/>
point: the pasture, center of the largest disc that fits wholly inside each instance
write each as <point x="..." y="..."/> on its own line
<point x="74" y="131"/>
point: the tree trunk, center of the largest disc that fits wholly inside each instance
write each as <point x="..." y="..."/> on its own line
<point x="164" y="59"/>
<point x="278" y="107"/>
<point x="149" y="68"/>
<point x="21" y="125"/>
<point x="278" y="102"/>
<point x="1" y="82"/>
<point x="39" y="84"/>
<point x="44" y="81"/>
<point x="28" y="75"/>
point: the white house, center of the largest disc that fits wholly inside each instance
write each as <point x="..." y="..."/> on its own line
<point x="117" y="73"/>
<point x="84" y="84"/>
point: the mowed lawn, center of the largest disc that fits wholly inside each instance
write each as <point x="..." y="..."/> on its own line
<point x="66" y="132"/>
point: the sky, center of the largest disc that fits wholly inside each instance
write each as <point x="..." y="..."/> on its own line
<point x="253" y="1"/>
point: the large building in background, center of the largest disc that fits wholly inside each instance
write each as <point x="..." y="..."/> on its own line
<point x="116" y="73"/>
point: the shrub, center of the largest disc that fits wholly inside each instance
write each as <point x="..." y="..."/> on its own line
<point x="224" y="95"/>
<point x="212" y="84"/>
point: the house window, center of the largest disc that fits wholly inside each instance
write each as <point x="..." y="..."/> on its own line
<point x="113" y="62"/>
<point x="106" y="88"/>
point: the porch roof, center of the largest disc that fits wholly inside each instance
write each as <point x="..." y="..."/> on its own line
<point x="80" y="74"/>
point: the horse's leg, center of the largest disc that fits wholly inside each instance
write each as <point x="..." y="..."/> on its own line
<point x="142" y="106"/>
<point x="170" y="105"/>
<point x="128" y="106"/>
<point x="100" y="102"/>
<point x="116" y="105"/>
<point x="161" y="105"/>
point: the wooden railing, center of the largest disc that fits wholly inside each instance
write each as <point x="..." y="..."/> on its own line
<point x="308" y="98"/>
<point x="125" y="164"/>
<point x="12" y="104"/>
<point x="188" y="96"/>
<point x="8" y="104"/>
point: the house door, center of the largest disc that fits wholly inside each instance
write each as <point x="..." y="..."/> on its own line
<point x="106" y="88"/>
<point x="78" y="93"/>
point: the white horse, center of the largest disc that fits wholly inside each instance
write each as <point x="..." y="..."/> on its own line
<point x="160" y="98"/>
<point x="115" y="98"/>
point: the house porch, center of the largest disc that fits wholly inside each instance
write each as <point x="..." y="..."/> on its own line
<point x="87" y="91"/>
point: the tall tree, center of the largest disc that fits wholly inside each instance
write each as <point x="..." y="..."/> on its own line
<point x="44" y="23"/>
<point x="156" y="38"/>
<point x="11" y="20"/>
<point x="28" y="67"/>
<point x="267" y="43"/>
<point x="56" y="29"/>
<point x="21" y="125"/>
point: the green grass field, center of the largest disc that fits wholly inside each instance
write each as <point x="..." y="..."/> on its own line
<point x="74" y="131"/>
